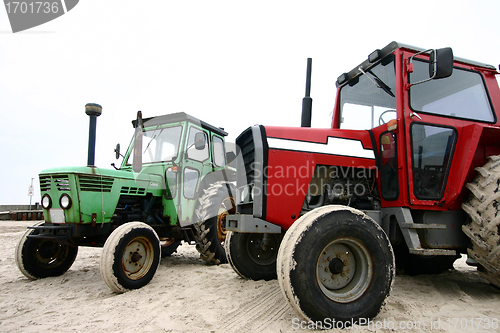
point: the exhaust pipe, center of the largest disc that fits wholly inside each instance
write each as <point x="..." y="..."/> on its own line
<point x="93" y="111"/>
<point x="307" y="100"/>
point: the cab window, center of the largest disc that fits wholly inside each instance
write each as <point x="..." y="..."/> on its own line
<point x="193" y="153"/>
<point x="368" y="101"/>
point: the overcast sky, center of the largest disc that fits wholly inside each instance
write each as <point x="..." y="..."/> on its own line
<point x="230" y="63"/>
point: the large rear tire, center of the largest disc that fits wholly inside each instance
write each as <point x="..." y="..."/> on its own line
<point x="216" y="203"/>
<point x="130" y="257"/>
<point x="483" y="208"/>
<point x="252" y="256"/>
<point x="335" y="262"/>
<point x="40" y="258"/>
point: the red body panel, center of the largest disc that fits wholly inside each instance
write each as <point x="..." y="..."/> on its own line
<point x="290" y="168"/>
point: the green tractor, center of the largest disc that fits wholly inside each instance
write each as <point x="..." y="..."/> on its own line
<point x="174" y="184"/>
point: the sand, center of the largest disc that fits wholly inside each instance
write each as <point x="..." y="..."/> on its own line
<point x="187" y="295"/>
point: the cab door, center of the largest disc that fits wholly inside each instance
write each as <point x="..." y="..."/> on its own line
<point x="196" y="163"/>
<point x="436" y="114"/>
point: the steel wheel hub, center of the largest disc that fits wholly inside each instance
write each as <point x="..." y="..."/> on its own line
<point x="138" y="258"/>
<point x="344" y="270"/>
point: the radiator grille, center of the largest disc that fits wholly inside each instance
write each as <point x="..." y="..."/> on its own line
<point x="61" y="182"/>
<point x="247" y="149"/>
<point x="45" y="183"/>
<point x="96" y="183"/>
<point x="133" y="190"/>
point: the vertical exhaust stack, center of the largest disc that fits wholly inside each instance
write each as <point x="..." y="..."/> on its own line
<point x="93" y="111"/>
<point x="307" y="100"/>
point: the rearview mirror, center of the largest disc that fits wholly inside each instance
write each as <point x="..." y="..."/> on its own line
<point x="199" y="141"/>
<point x="117" y="151"/>
<point x="441" y="63"/>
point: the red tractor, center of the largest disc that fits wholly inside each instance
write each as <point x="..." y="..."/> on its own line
<point x="408" y="176"/>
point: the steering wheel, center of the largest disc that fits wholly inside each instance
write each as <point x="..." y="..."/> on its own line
<point x="381" y="120"/>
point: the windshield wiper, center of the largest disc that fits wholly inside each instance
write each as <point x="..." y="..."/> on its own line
<point x="378" y="82"/>
<point x="153" y="137"/>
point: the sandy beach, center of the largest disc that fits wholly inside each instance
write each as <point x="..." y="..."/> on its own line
<point x="187" y="295"/>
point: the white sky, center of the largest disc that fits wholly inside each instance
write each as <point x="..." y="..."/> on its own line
<point x="230" y="63"/>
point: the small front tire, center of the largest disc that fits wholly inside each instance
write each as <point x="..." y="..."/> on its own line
<point x="335" y="262"/>
<point x="130" y="257"/>
<point x="253" y="256"/>
<point x="41" y="258"/>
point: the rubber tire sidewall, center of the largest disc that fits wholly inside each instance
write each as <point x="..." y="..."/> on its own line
<point x="25" y="257"/>
<point x="483" y="227"/>
<point x="208" y="244"/>
<point x="112" y="254"/>
<point x="299" y="269"/>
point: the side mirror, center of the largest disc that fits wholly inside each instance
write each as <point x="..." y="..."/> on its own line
<point x="199" y="141"/>
<point x="441" y="63"/>
<point x="117" y="151"/>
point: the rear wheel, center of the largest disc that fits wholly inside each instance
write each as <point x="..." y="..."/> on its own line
<point x="253" y="256"/>
<point x="130" y="257"/>
<point x="335" y="262"/>
<point x="483" y="208"/>
<point x="213" y="207"/>
<point x="40" y="258"/>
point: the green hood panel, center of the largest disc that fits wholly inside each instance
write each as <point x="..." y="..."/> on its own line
<point x="94" y="192"/>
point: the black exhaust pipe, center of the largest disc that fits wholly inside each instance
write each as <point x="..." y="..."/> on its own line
<point x="93" y="111"/>
<point x="307" y="100"/>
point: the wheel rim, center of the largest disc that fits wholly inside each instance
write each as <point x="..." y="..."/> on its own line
<point x="49" y="253"/>
<point x="226" y="207"/>
<point x="344" y="270"/>
<point x="166" y="242"/>
<point x="260" y="254"/>
<point x="138" y="258"/>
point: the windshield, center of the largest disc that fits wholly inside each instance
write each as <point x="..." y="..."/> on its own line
<point x="159" y="144"/>
<point x="368" y="100"/>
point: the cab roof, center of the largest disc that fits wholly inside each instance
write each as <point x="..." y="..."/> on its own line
<point x="391" y="47"/>
<point x="178" y="117"/>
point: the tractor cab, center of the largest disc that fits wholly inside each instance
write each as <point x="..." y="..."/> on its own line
<point x="420" y="107"/>
<point x="184" y="150"/>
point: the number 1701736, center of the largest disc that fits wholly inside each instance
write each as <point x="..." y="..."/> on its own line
<point x="32" y="7"/>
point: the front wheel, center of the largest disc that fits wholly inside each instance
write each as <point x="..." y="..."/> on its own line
<point x="253" y="256"/>
<point x="130" y="257"/>
<point x="40" y="258"/>
<point x="335" y="262"/>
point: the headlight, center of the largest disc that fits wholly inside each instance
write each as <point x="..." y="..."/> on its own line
<point x="65" y="201"/>
<point x="46" y="201"/>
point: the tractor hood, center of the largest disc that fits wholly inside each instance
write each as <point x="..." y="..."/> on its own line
<point x="92" y="192"/>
